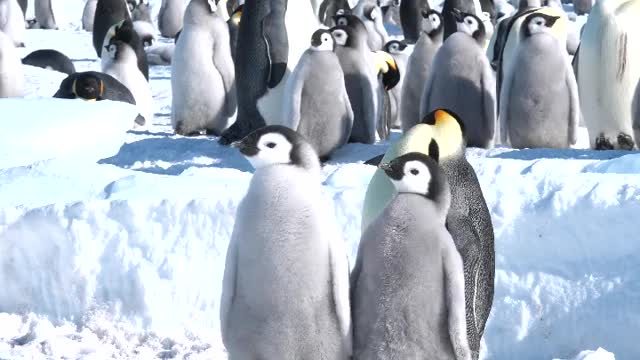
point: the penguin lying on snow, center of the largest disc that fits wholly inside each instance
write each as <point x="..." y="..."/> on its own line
<point x="285" y="291"/>
<point x="407" y="286"/>
<point x="50" y="59"/>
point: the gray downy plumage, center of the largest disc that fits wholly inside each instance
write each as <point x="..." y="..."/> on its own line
<point x="370" y="13"/>
<point x="539" y="105"/>
<point x="462" y="80"/>
<point x="170" y="17"/>
<point x="419" y="68"/>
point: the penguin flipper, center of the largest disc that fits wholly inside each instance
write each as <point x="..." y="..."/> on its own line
<point x="340" y="285"/>
<point x="224" y="64"/>
<point x="574" y="104"/>
<point x="274" y="34"/>
<point x="228" y="285"/>
<point x="488" y="87"/>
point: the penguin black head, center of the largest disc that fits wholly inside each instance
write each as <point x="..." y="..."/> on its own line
<point x="433" y="24"/>
<point x="538" y="23"/>
<point x="119" y="50"/>
<point x="352" y="22"/>
<point x="416" y="173"/>
<point x="388" y="67"/>
<point x="448" y="134"/>
<point x="395" y="47"/>
<point x="470" y="24"/>
<point x="124" y="31"/>
<point x="276" y="144"/>
<point x="322" y="40"/>
<point x="353" y="34"/>
<point x="88" y="87"/>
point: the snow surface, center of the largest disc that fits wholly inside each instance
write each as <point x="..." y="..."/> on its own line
<point x="123" y="257"/>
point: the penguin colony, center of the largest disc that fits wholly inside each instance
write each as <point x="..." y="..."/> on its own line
<point x="470" y="75"/>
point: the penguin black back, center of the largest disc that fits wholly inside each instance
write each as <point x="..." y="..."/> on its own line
<point x="50" y="59"/>
<point x="108" y="13"/>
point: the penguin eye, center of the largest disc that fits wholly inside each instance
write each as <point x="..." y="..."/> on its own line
<point x="468" y="21"/>
<point x="271" y="145"/>
<point x="414" y="171"/>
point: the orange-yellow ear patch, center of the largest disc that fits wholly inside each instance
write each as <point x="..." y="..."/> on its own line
<point x="387" y="66"/>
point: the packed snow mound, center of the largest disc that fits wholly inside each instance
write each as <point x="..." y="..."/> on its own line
<point x="600" y="354"/>
<point x="42" y="129"/>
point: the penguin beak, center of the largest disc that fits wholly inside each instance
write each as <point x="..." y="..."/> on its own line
<point x="385" y="167"/>
<point x="457" y="15"/>
<point x="245" y="149"/>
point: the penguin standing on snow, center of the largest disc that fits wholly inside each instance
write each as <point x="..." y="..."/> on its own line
<point x="539" y="105"/>
<point x="316" y="103"/>
<point x="126" y="32"/>
<point x="202" y="73"/>
<point x="395" y="48"/>
<point x="107" y="14"/>
<point x="407" y="286"/>
<point x="462" y="80"/>
<point x="11" y="74"/>
<point x="419" y="68"/>
<point x="88" y="14"/>
<point x="120" y="61"/>
<point x="370" y="13"/>
<point x="44" y="14"/>
<point x="285" y="291"/>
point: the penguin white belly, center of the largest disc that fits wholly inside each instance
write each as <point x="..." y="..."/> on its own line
<point x="199" y="94"/>
<point x="11" y="73"/>
<point x="608" y="70"/>
<point x="133" y="79"/>
<point x="12" y="22"/>
<point x="301" y="23"/>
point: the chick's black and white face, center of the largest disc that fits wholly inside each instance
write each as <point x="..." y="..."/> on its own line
<point x="539" y="24"/>
<point x="340" y="36"/>
<point x="432" y="22"/>
<point x="270" y="149"/>
<point x="342" y="21"/>
<point x="411" y="176"/>
<point x="469" y="25"/>
<point x="112" y="50"/>
<point x="213" y="5"/>
<point x="322" y="41"/>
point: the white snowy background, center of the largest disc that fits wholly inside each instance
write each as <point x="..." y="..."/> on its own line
<point x="112" y="243"/>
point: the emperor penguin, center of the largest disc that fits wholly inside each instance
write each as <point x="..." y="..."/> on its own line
<point x="12" y="22"/>
<point x="462" y="80"/>
<point x="411" y="18"/>
<point x="125" y="31"/>
<point x="50" y="59"/>
<point x="540" y="106"/>
<point x="88" y="14"/>
<point x="396" y="49"/>
<point x="107" y="14"/>
<point x="330" y="8"/>
<point x="202" y="73"/>
<point x="120" y="61"/>
<point x="44" y="14"/>
<point x="170" y="17"/>
<point x="285" y="291"/>
<point x="608" y="74"/>
<point x="370" y="13"/>
<point x="96" y="86"/>
<point x="234" y="24"/>
<point x="11" y="73"/>
<point x="440" y="135"/>
<point x="407" y="285"/>
<point x="419" y="68"/>
<point x="360" y="79"/>
<point x="316" y="103"/>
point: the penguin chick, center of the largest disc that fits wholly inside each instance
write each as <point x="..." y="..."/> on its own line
<point x="462" y="80"/>
<point x="202" y="73"/>
<point x="126" y="32"/>
<point x="419" y="67"/>
<point x="408" y="274"/>
<point x="120" y="61"/>
<point x="285" y="291"/>
<point x="316" y="102"/>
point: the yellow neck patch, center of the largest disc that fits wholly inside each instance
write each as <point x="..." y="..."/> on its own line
<point x="447" y="133"/>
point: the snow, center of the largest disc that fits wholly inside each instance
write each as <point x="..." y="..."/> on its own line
<point x="113" y="241"/>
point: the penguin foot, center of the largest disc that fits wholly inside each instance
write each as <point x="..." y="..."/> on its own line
<point x="179" y="130"/>
<point x="625" y="142"/>
<point x="603" y="143"/>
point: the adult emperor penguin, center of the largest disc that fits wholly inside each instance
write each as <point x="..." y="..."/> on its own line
<point x="419" y="68"/>
<point x="50" y="59"/>
<point x="170" y="17"/>
<point x="441" y="136"/>
<point x="395" y="48"/>
<point x="44" y="14"/>
<point x="119" y="61"/>
<point x="462" y="80"/>
<point x="11" y="75"/>
<point x="361" y="81"/>
<point x="316" y="104"/>
<point x="271" y="39"/>
<point x="95" y="86"/>
<point x="12" y="21"/>
<point x="370" y="13"/>
<point x="234" y="24"/>
<point x="107" y="14"/>
<point x="411" y="18"/>
<point x="285" y="292"/>
<point x="202" y="73"/>
<point x="125" y="31"/>
<point x="608" y="74"/>
<point x="407" y="285"/>
<point x="539" y="106"/>
<point x="88" y="14"/>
